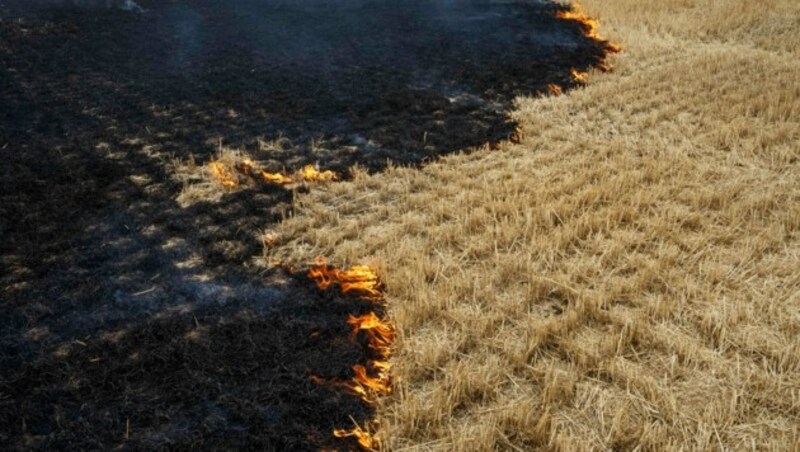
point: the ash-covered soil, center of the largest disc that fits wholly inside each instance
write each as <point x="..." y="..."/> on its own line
<point x="130" y="321"/>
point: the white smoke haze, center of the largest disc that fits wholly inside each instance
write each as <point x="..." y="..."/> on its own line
<point x="125" y="5"/>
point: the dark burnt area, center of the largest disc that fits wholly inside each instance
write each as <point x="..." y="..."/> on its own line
<point x="96" y="103"/>
<point x="232" y="376"/>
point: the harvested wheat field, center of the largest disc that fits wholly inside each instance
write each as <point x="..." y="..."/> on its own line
<point x="148" y="145"/>
<point x="627" y="276"/>
<point x="413" y="225"/>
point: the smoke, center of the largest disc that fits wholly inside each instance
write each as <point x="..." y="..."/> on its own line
<point x="23" y="5"/>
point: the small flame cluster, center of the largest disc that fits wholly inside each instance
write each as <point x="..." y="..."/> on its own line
<point x="590" y="27"/>
<point x="223" y="174"/>
<point x="371" y="380"/>
<point x="554" y="89"/>
<point x="233" y="176"/>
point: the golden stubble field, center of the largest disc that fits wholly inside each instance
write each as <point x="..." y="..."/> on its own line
<point x="627" y="276"/>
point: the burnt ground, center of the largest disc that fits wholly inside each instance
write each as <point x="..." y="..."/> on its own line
<point x="129" y="321"/>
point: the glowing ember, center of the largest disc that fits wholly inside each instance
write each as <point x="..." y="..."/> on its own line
<point x="276" y="178"/>
<point x="358" y="278"/>
<point x="223" y="174"/>
<point x="318" y="380"/>
<point x="245" y="166"/>
<point x="364" y="439"/>
<point x="310" y="173"/>
<point x="554" y="89"/>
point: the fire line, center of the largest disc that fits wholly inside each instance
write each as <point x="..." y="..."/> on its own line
<point x="233" y="176"/>
<point x="590" y="27"/>
<point x="371" y="380"/>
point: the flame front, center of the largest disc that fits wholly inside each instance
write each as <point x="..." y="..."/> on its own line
<point x="230" y="175"/>
<point x="379" y="331"/>
<point x="365" y="385"/>
<point x="576" y="13"/>
<point x="310" y="173"/>
<point x="590" y="29"/>
<point x="358" y="278"/>
<point x="372" y="379"/>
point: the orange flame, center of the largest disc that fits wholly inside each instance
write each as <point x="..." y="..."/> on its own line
<point x="223" y="174"/>
<point x="380" y="384"/>
<point x="554" y="89"/>
<point x="348" y="385"/>
<point x="228" y="178"/>
<point x="276" y="178"/>
<point x="310" y="173"/>
<point x="358" y="278"/>
<point x="591" y="29"/>
<point x="380" y="335"/>
<point x="364" y="439"/>
<point x="372" y="380"/>
<point x="576" y="13"/>
<point x="379" y="330"/>
<point x="362" y="384"/>
<point x="382" y="367"/>
<point x="579" y="76"/>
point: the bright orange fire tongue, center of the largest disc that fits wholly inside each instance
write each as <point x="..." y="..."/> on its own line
<point x="275" y="178"/>
<point x="591" y="26"/>
<point x="373" y="325"/>
<point x="363" y="384"/>
<point x="223" y="175"/>
<point x="371" y="380"/>
<point x="358" y="278"/>
<point x="577" y="14"/>
<point x="590" y="30"/>
<point x="227" y="175"/>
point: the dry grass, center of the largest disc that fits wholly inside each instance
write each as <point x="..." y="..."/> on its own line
<point x="200" y="184"/>
<point x="626" y="276"/>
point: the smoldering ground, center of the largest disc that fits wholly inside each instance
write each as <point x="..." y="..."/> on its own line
<point x="129" y="319"/>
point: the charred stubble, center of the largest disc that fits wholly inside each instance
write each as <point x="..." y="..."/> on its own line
<point x="131" y="320"/>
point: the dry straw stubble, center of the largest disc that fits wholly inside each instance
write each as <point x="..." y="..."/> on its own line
<point x="625" y="276"/>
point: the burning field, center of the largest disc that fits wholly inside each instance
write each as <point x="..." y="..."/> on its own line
<point x="149" y="148"/>
<point x="521" y="252"/>
<point x="625" y="277"/>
